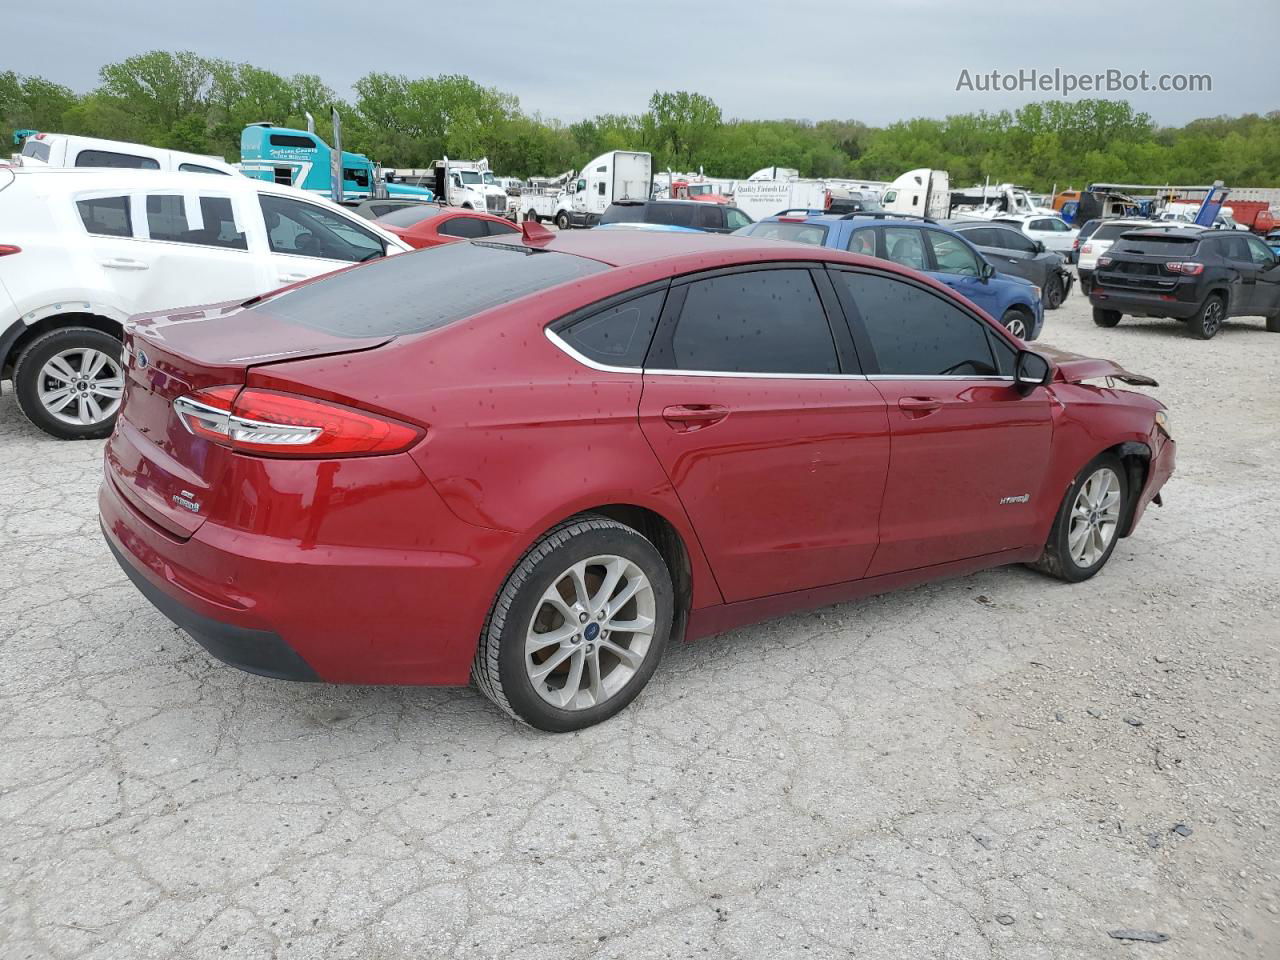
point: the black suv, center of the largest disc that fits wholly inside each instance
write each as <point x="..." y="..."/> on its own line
<point x="1201" y="277"/>
<point x="686" y="214"/>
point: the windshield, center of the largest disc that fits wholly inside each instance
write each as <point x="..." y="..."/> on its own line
<point x="1109" y="231"/>
<point x="417" y="292"/>
<point x="798" y="232"/>
<point x="490" y="179"/>
<point x="470" y="176"/>
<point x="700" y="190"/>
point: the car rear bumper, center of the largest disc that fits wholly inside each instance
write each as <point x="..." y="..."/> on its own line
<point x="281" y="606"/>
<point x="1142" y="304"/>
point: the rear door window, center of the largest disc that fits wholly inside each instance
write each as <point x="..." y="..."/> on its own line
<point x="710" y="217"/>
<point x="905" y="245"/>
<point x="106" y="216"/>
<point x="108" y="158"/>
<point x="767" y="321"/>
<point x="619" y="335"/>
<point x="210" y="224"/>
<point x="468" y="228"/>
<point x="916" y="333"/>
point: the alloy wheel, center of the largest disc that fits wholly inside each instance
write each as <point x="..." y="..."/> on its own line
<point x="1095" y="517"/>
<point x="590" y="632"/>
<point x="81" y="386"/>
<point x="1016" y="326"/>
<point x="1213" y="312"/>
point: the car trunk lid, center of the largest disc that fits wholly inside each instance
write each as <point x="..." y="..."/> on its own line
<point x="170" y="475"/>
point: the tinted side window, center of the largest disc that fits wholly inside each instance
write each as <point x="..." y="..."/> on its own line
<point x="166" y="216"/>
<point x="710" y="217"/>
<point x="106" y="216"/>
<point x="308" y="230"/>
<point x="864" y="242"/>
<point x="501" y="229"/>
<point x="292" y="140"/>
<point x="916" y="333"/>
<point x="1014" y="240"/>
<point x="983" y="237"/>
<point x="952" y="254"/>
<point x="1260" y="252"/>
<point x="197" y="168"/>
<point x="106" y="158"/>
<point x="904" y="245"/>
<point x="219" y="228"/>
<point x="168" y="219"/>
<point x="770" y="321"/>
<point x="735" y="218"/>
<point x="619" y="335"/>
<point x="468" y="228"/>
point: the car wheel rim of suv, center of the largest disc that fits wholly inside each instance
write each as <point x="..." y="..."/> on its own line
<point x="1017" y="327"/>
<point x="590" y="632"/>
<point x="1213" y="316"/>
<point x="81" y="386"/>
<point x="1095" y="517"/>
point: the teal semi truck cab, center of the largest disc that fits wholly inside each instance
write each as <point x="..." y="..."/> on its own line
<point x="301" y="159"/>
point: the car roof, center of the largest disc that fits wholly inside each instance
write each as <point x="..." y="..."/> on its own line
<point x="119" y="178"/>
<point x="626" y="248"/>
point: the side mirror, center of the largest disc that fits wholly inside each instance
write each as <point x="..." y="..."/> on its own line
<point x="986" y="271"/>
<point x="1039" y="246"/>
<point x="1031" y="370"/>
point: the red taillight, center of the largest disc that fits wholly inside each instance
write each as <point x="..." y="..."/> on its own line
<point x="1104" y="261"/>
<point x="1188" y="268"/>
<point x="1075" y="244"/>
<point x="8" y="248"/>
<point x="288" y="425"/>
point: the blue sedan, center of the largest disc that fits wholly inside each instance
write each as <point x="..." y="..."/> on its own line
<point x="922" y="245"/>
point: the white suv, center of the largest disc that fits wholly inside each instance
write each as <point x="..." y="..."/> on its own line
<point x="81" y="250"/>
<point x="1053" y="232"/>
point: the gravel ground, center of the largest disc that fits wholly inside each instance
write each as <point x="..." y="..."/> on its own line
<point x="1001" y="766"/>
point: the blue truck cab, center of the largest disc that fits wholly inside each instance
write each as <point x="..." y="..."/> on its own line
<point x="301" y="159"/>
<point x="921" y="244"/>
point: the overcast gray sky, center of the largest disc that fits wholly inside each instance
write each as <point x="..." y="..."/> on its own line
<point x="876" y="62"/>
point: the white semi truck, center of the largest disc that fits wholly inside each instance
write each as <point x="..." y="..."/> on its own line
<point x="620" y="175"/>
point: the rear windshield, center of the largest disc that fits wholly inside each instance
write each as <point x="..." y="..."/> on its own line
<point x="408" y="216"/>
<point x="417" y="292"/>
<point x="1087" y="230"/>
<point x="799" y="232"/>
<point x="1156" y="244"/>
<point x="1109" y="231"/>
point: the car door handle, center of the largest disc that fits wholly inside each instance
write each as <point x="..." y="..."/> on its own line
<point x="124" y="263"/>
<point x="919" y="406"/>
<point x="684" y="417"/>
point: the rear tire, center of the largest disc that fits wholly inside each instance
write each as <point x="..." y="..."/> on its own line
<point x="1054" y="293"/>
<point x="556" y="652"/>
<point x="1106" y="318"/>
<point x="1087" y="527"/>
<point x="531" y="217"/>
<point x="563" y="221"/>
<point x="1209" y="318"/>
<point x="69" y="382"/>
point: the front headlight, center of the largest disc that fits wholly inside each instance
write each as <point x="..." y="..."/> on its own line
<point x="1165" y="423"/>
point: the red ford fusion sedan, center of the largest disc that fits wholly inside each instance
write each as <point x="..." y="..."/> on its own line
<point x="429" y="225"/>
<point x="535" y="461"/>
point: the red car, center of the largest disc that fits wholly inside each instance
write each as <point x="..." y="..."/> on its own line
<point x="429" y="225"/>
<point x="536" y="461"/>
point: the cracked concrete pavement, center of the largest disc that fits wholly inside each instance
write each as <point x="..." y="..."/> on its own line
<point x="882" y="779"/>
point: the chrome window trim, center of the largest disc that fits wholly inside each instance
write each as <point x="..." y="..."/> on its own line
<point x="937" y="376"/>
<point x="559" y="342"/>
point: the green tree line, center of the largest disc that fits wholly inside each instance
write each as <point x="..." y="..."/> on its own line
<point x="189" y="102"/>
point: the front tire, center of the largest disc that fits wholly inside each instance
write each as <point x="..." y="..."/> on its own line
<point x="1054" y="293"/>
<point x="1017" y="322"/>
<point x="563" y="221"/>
<point x="1087" y="526"/>
<point x="1106" y="318"/>
<point x="70" y="383"/>
<point x="579" y="626"/>
<point x="1209" y="318"/>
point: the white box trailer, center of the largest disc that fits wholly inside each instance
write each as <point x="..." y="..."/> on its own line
<point x="921" y="193"/>
<point x="766" y="198"/>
